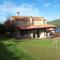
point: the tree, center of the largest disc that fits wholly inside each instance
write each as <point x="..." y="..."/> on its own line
<point x="2" y="28"/>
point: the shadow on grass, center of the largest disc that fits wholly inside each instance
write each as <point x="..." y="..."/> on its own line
<point x="4" y="37"/>
<point x="9" y="51"/>
<point x="5" y="54"/>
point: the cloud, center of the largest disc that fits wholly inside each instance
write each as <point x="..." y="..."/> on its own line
<point x="10" y="9"/>
<point x="47" y="4"/>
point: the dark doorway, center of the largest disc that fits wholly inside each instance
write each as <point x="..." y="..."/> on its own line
<point x="38" y="34"/>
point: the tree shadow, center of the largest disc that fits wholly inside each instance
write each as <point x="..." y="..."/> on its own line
<point x="5" y="54"/>
<point x="4" y="38"/>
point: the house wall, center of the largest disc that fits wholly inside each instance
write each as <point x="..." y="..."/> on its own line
<point x="30" y="21"/>
<point x="42" y="34"/>
<point x="33" y="34"/>
<point x="38" y="23"/>
<point x="22" y="23"/>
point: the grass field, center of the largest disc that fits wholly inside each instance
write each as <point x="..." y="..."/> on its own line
<point x="29" y="49"/>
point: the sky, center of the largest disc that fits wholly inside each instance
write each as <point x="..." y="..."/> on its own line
<point x="49" y="9"/>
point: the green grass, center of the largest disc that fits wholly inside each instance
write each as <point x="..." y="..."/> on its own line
<point x="29" y="49"/>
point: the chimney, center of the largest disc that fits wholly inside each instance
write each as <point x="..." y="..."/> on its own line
<point x="31" y="20"/>
<point x="18" y="13"/>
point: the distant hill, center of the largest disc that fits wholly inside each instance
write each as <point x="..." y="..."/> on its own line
<point x="55" y="22"/>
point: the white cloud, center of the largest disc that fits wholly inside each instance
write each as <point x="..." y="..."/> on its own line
<point x="9" y="9"/>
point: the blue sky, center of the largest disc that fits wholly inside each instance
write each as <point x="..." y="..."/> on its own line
<point x="50" y="9"/>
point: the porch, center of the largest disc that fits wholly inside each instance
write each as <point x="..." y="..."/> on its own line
<point x="32" y="33"/>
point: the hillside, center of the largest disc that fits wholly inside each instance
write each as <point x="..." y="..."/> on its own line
<point x="55" y="22"/>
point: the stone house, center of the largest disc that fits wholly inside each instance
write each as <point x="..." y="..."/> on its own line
<point x="29" y="27"/>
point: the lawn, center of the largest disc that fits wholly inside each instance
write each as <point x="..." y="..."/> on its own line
<point x="29" y="49"/>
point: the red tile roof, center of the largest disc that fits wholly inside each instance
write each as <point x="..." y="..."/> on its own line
<point x="27" y="18"/>
<point x="35" y="26"/>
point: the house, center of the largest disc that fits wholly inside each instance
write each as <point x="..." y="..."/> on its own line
<point x="30" y="27"/>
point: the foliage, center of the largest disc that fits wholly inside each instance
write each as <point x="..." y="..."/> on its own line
<point x="55" y="22"/>
<point x="2" y="29"/>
